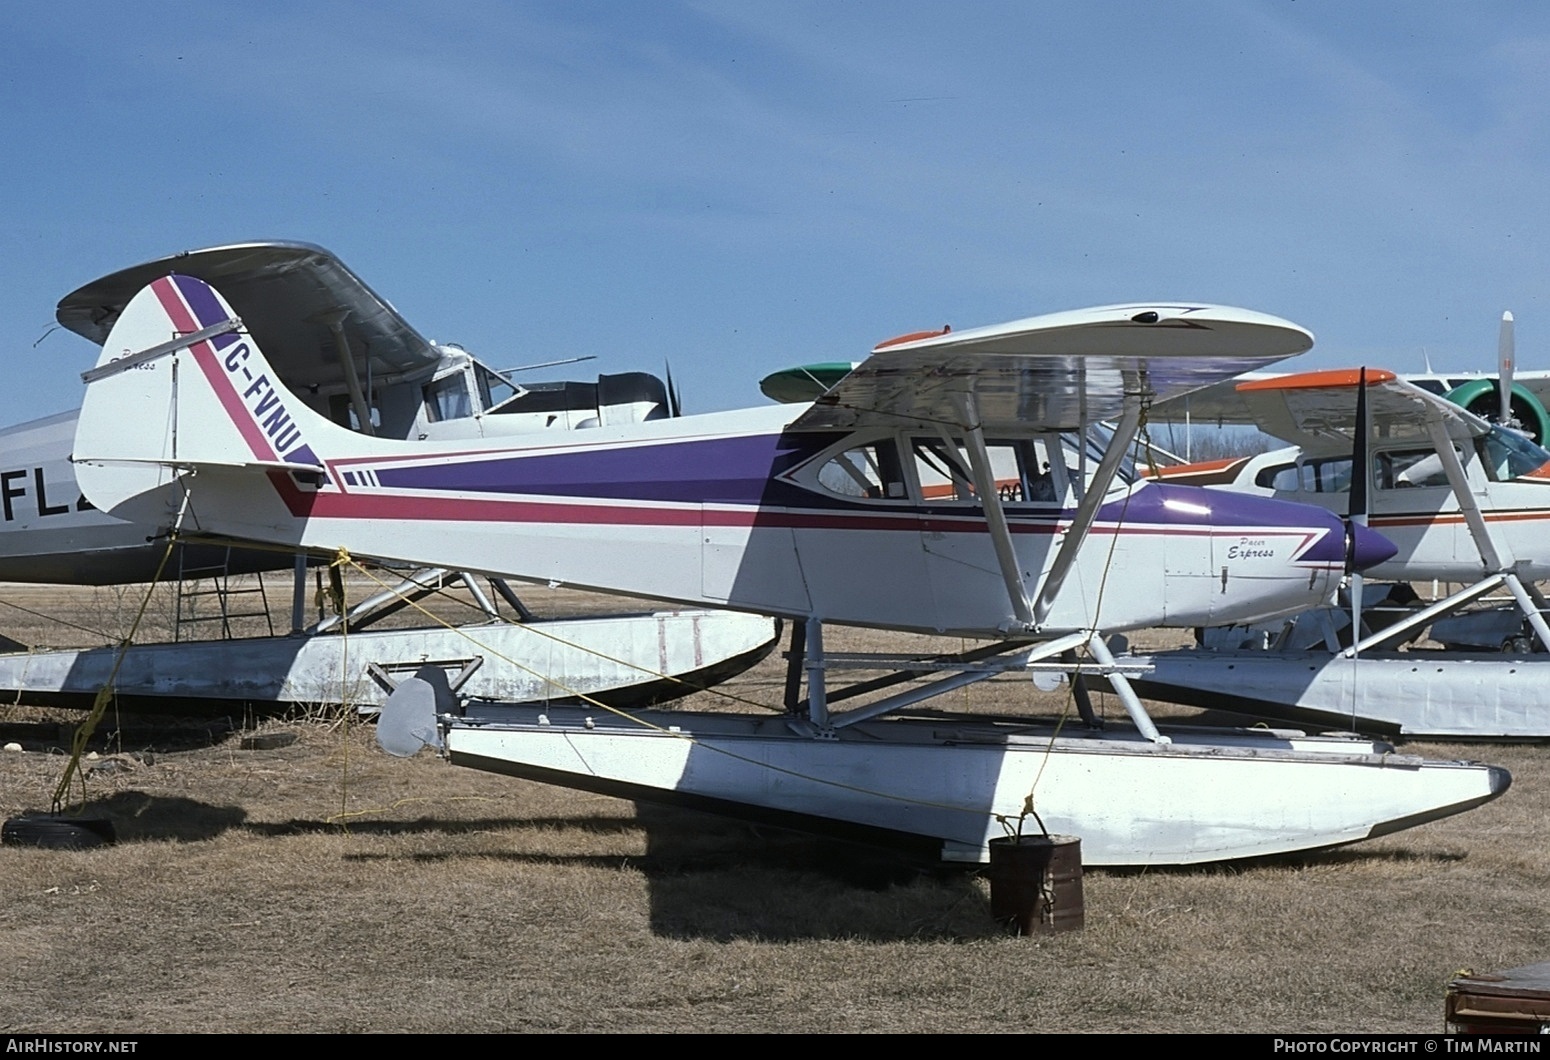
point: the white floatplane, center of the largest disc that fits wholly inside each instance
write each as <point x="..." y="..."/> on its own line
<point x="816" y="513"/>
<point x="335" y="341"/>
<point x="1465" y="500"/>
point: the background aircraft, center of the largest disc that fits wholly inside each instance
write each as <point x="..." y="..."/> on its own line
<point x="1524" y="394"/>
<point x="337" y="346"/>
<point x="1465" y="501"/>
<point x="352" y="358"/>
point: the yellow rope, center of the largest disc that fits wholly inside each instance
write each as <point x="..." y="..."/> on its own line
<point x="86" y="729"/>
<point x="439" y="800"/>
<point x="336" y="594"/>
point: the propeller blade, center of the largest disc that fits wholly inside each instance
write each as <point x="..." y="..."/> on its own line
<point x="1505" y="351"/>
<point x="1358" y="516"/>
<point x="674" y="402"/>
<point x="1359" y="457"/>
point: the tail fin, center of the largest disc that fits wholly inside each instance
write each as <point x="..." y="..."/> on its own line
<point x="180" y="387"/>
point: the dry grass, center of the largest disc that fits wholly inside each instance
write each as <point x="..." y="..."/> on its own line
<point x="240" y="899"/>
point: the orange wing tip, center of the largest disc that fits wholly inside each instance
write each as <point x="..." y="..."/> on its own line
<point x="1202" y="467"/>
<point x="914" y="336"/>
<point x="1332" y="379"/>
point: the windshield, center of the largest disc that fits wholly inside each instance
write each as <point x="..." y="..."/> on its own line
<point x="495" y="389"/>
<point x="1509" y="455"/>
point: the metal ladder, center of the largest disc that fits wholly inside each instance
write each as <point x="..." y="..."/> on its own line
<point x="229" y="593"/>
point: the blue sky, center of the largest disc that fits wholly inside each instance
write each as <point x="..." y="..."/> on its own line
<point x="738" y="187"/>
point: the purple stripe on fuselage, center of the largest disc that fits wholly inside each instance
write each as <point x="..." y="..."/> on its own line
<point x="708" y="471"/>
<point x="1197" y="506"/>
<point x="742" y="471"/>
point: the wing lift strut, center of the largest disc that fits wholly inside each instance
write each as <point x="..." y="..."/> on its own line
<point x="1500" y="569"/>
<point x="813" y="715"/>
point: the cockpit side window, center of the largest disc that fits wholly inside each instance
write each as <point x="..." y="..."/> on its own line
<point x="942" y="469"/>
<point x="494" y="389"/>
<point x="1408" y="469"/>
<point x="870" y="471"/>
<point x="1329" y="475"/>
<point x="936" y="469"/>
<point x="448" y="398"/>
<point x="1280" y="477"/>
<point x="1022" y="469"/>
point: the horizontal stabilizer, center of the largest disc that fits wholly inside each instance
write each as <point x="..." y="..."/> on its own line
<point x="309" y="310"/>
<point x="233" y="465"/>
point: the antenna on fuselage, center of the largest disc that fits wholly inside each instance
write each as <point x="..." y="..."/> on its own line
<point x="544" y="364"/>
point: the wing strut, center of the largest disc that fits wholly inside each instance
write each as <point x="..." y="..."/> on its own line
<point x="995" y="515"/>
<point x="182" y="342"/>
<point x="352" y="379"/>
<point x="1122" y="688"/>
<point x="1459" y="483"/>
<point x="1361" y="472"/>
<point x="1497" y="569"/>
<point x="1416" y="620"/>
<point x="1529" y="608"/>
<point x="1087" y="511"/>
<point x="1475" y="520"/>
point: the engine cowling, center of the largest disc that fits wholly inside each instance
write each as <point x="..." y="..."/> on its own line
<point x="1480" y="397"/>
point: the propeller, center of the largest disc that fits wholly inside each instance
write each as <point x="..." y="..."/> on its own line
<point x="1505" y="348"/>
<point x="1358" y="510"/>
<point x="674" y="402"/>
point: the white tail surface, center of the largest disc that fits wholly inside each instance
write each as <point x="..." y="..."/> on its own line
<point x="186" y="423"/>
<point x="180" y="390"/>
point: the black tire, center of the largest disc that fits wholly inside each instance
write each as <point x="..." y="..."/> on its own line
<point x="267" y="741"/>
<point x="58" y="833"/>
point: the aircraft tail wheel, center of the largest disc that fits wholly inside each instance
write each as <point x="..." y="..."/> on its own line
<point x="58" y="833"/>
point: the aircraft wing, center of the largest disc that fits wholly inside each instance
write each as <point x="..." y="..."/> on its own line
<point x="290" y="296"/>
<point x="1317" y="410"/>
<point x="1059" y="371"/>
<point x="1221" y="404"/>
<point x="1217" y="405"/>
